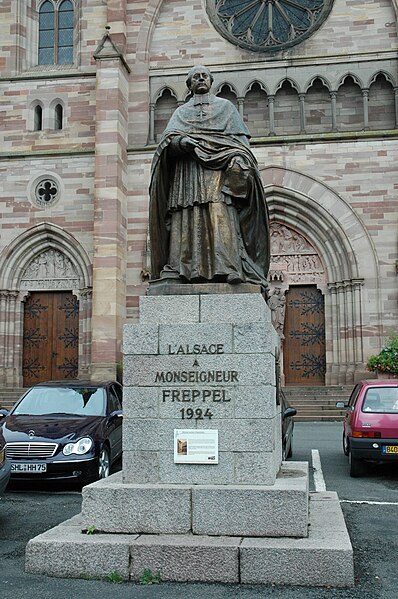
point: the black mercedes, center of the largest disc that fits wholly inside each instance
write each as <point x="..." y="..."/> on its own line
<point x="65" y="430"/>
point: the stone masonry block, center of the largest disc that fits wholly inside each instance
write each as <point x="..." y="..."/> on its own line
<point x="324" y="558"/>
<point x="195" y="338"/>
<point x="150" y="434"/>
<point x="66" y="552"/>
<point x="279" y="510"/>
<point x="253" y="337"/>
<point x="237" y="308"/>
<point x="140" y="339"/>
<point x="243" y="435"/>
<point x="187" y="558"/>
<point x="197" y="474"/>
<point x="172" y="309"/>
<point x="220" y="402"/>
<point x="255" y="401"/>
<point x="140" y="466"/>
<point x="140" y="402"/>
<point x="219" y="370"/>
<point x="113" y="506"/>
<point x="257" y="468"/>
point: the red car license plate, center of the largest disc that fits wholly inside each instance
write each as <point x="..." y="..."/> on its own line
<point x="390" y="449"/>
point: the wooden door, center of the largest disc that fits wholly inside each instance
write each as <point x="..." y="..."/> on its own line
<point x="304" y="331"/>
<point x="50" y="337"/>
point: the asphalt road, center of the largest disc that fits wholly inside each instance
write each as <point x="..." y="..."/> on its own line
<point x="370" y="506"/>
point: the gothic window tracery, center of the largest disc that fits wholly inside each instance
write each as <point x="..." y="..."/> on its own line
<point x="56" y="21"/>
<point x="267" y="25"/>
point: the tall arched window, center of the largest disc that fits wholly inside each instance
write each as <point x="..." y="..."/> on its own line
<point x="56" y="33"/>
<point x="58" y="116"/>
<point x="38" y="118"/>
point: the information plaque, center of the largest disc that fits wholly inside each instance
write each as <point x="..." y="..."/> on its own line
<point x="195" y="446"/>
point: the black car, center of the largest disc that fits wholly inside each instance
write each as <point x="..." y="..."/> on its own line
<point x="65" y="430"/>
<point x="287" y="426"/>
<point x="5" y="466"/>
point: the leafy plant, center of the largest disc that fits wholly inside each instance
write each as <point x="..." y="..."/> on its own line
<point x="149" y="578"/>
<point x="90" y="530"/>
<point x="114" y="577"/>
<point x="387" y="360"/>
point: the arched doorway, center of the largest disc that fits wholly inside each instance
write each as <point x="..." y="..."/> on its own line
<point x="297" y="305"/>
<point x="46" y="305"/>
<point x="346" y="253"/>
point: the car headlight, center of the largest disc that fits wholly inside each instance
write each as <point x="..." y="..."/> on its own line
<point x="2" y="457"/>
<point x="80" y="447"/>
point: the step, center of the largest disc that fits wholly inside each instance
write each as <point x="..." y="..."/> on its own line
<point x="8" y="397"/>
<point x="317" y="403"/>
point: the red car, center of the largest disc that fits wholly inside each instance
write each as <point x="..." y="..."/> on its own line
<point x="371" y="424"/>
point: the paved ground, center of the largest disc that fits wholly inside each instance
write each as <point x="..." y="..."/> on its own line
<point x="373" y="527"/>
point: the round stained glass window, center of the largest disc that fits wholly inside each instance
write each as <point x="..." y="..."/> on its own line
<point x="267" y="25"/>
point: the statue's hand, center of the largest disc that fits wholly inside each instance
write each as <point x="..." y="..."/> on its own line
<point x="187" y="144"/>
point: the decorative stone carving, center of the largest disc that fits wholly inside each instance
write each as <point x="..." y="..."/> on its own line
<point x="293" y="258"/>
<point x="277" y="304"/>
<point x="50" y="270"/>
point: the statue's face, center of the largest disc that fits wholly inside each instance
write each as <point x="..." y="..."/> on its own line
<point x="201" y="81"/>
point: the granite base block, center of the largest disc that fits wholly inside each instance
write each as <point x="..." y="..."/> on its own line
<point x="325" y="558"/>
<point x="186" y="558"/>
<point x="278" y="510"/>
<point x="113" y="506"/>
<point x="65" y="552"/>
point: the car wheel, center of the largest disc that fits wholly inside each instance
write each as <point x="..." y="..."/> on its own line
<point x="104" y="463"/>
<point x="356" y="466"/>
<point x="346" y="445"/>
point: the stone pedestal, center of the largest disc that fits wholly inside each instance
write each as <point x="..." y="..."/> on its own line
<point x="198" y="363"/>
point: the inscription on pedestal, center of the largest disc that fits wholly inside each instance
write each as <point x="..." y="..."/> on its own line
<point x="207" y="396"/>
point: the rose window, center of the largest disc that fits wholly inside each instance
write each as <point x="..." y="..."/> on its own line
<point x="267" y="25"/>
<point x="46" y="192"/>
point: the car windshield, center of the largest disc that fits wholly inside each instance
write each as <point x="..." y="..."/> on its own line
<point x="78" y="401"/>
<point x="383" y="400"/>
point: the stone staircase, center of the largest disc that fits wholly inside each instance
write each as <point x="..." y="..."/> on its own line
<point x="8" y="397"/>
<point x="317" y="403"/>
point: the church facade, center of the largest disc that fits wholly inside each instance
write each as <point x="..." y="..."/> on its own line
<point x="87" y="87"/>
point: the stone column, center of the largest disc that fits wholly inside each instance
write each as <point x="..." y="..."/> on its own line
<point x="85" y="307"/>
<point x="10" y="338"/>
<point x="302" y="113"/>
<point x="271" y="104"/>
<point x="333" y="97"/>
<point x="365" y="97"/>
<point x="110" y="246"/>
<point x="240" y="107"/>
<point x="151" y="139"/>
<point x="396" y="106"/>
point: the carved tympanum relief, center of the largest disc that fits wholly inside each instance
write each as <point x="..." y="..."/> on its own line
<point x="50" y="269"/>
<point x="293" y="258"/>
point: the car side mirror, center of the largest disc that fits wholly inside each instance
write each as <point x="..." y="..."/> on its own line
<point x="289" y="412"/>
<point x="3" y="413"/>
<point x="341" y="405"/>
<point x="116" y="414"/>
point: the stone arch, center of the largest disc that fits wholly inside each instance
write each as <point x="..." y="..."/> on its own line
<point x="249" y="87"/>
<point x="23" y="249"/>
<point x="385" y="74"/>
<point x="331" y="226"/>
<point x="321" y="78"/>
<point x="285" y="80"/>
<point x="45" y="243"/>
<point x="355" y="79"/>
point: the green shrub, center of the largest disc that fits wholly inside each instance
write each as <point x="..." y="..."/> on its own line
<point x="387" y="360"/>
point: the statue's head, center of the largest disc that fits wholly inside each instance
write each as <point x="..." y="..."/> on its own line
<point x="199" y="79"/>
